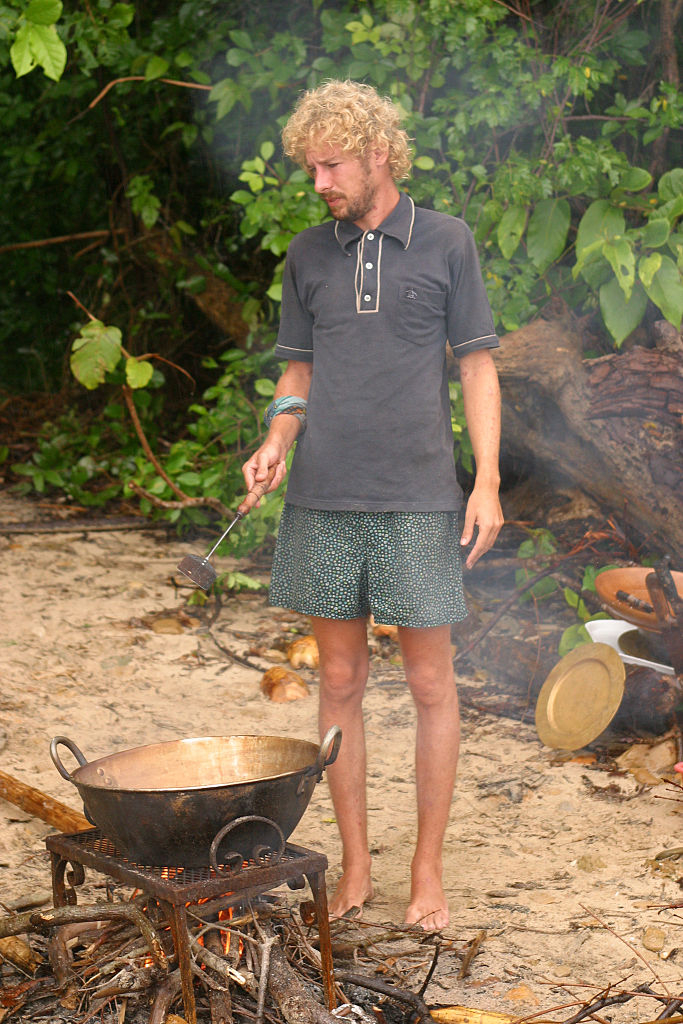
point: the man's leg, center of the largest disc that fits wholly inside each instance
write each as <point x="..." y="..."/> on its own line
<point x="427" y="660"/>
<point x="343" y="647"/>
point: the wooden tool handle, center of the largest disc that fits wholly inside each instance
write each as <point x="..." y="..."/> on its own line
<point x="257" y="492"/>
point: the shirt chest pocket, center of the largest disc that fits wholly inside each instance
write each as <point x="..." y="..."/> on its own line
<point x="418" y="314"/>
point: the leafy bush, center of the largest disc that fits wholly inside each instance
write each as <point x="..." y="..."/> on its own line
<point x="144" y="140"/>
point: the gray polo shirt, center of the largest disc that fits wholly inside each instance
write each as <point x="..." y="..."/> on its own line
<point x="373" y="311"/>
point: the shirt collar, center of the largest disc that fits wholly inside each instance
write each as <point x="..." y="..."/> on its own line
<point x="399" y="224"/>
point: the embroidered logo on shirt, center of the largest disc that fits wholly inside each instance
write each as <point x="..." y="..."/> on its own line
<point x="410" y="293"/>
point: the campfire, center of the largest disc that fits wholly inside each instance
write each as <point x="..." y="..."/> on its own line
<point x="222" y="945"/>
<point x="208" y="935"/>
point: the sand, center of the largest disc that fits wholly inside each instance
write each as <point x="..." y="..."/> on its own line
<point x="557" y="860"/>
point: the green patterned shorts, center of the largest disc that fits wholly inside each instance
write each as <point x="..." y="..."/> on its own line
<point x="403" y="567"/>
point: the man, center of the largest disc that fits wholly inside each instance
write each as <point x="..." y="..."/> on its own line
<point x="370" y="523"/>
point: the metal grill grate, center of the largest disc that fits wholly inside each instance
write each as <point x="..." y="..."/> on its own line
<point x="179" y="884"/>
<point x="178" y="887"/>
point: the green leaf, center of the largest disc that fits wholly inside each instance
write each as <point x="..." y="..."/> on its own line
<point x="547" y="232"/>
<point x="264" y="387"/>
<point x="48" y="50"/>
<point x="242" y="39"/>
<point x="600" y="223"/>
<point x="267" y="149"/>
<point x="235" y="57"/>
<point x="195" y="285"/>
<point x="621" y="317"/>
<point x="425" y="163"/>
<point x="544" y="588"/>
<point x="20" y="52"/>
<point x="573" y="636"/>
<point x="666" y="291"/>
<point x="225" y="94"/>
<point x="635" y="179"/>
<point x="621" y="258"/>
<point x="184" y="227"/>
<point x="138" y="372"/>
<point x="144" y="203"/>
<point x="655" y="233"/>
<point x="675" y="244"/>
<point x="527" y="549"/>
<point x="648" y="267"/>
<point x="121" y="16"/>
<point x="95" y="352"/>
<point x="189" y="479"/>
<point x="671" y="184"/>
<point x="240" y="581"/>
<point x="510" y="229"/>
<point x="156" y="67"/>
<point x="44" y="12"/>
<point x="275" y="292"/>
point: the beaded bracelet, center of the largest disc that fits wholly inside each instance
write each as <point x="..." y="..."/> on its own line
<point x="290" y="404"/>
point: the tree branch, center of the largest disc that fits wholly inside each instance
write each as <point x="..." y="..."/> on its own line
<point x="57" y="240"/>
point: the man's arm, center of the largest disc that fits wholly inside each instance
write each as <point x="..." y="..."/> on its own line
<point x="284" y="429"/>
<point x="481" y="396"/>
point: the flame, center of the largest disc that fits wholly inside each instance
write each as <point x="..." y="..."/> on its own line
<point x="223" y="915"/>
<point x="226" y="915"/>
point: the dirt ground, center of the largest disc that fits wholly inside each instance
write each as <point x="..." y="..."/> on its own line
<point x="558" y="861"/>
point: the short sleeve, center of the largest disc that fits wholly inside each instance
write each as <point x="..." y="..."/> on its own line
<point x="295" y="334"/>
<point x="469" y="318"/>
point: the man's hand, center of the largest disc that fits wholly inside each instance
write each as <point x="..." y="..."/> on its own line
<point x="256" y="469"/>
<point x="483" y="512"/>
<point x="481" y="396"/>
<point x="284" y="430"/>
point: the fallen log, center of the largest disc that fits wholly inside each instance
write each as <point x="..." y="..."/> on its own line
<point x="611" y="426"/>
<point x="295" y="1001"/>
<point x="40" y="805"/>
<point x="220" y="1000"/>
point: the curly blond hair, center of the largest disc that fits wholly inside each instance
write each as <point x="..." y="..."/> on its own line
<point x="350" y="115"/>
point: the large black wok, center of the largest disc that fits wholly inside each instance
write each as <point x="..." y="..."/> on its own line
<point x="192" y="802"/>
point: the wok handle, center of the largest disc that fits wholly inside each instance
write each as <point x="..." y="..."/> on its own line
<point x="327" y="755"/>
<point x="233" y="859"/>
<point x="56" y="760"/>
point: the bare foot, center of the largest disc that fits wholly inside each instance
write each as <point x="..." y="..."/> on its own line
<point x="428" y="904"/>
<point x="353" y="890"/>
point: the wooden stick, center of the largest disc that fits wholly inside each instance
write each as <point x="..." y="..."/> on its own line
<point x="41" y="921"/>
<point x="40" y="805"/>
<point x="57" y="240"/>
<point x="473" y="948"/>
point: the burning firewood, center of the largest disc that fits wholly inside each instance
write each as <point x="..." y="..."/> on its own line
<point x="281" y="685"/>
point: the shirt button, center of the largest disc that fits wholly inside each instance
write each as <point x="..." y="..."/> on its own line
<point x="368" y="266"/>
<point x="370" y="235"/>
<point x="367" y="298"/>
